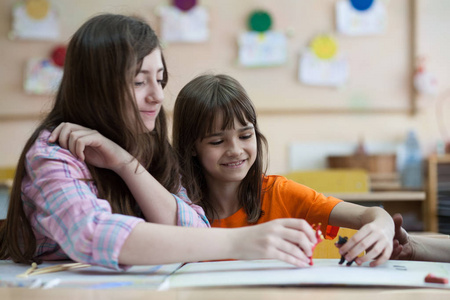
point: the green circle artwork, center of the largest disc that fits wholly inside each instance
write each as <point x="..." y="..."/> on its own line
<point x="260" y="21"/>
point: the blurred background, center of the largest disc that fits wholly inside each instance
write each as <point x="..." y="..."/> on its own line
<point x="353" y="96"/>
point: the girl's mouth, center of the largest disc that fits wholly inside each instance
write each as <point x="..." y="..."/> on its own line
<point x="234" y="164"/>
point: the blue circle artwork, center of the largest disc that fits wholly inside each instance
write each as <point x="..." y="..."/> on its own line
<point x="361" y="5"/>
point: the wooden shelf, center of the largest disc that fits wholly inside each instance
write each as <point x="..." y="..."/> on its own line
<point x="431" y="207"/>
<point x="382" y="196"/>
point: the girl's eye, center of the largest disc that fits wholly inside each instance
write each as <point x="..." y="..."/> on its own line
<point x="139" y="83"/>
<point x="214" y="143"/>
<point x="247" y="136"/>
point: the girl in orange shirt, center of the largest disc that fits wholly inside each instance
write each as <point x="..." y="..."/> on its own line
<point x="221" y="153"/>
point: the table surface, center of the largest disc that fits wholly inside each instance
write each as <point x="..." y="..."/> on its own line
<point x="178" y="290"/>
<point x="319" y="293"/>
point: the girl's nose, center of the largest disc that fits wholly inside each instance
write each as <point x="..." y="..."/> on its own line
<point x="235" y="149"/>
<point x="155" y="94"/>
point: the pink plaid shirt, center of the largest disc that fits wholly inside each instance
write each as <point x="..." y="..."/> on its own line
<point x="68" y="218"/>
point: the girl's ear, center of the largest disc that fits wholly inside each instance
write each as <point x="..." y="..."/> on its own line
<point x="194" y="153"/>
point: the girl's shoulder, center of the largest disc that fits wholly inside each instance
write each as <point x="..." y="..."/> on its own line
<point x="281" y="183"/>
<point x="42" y="147"/>
<point x="274" y="179"/>
<point x="41" y="150"/>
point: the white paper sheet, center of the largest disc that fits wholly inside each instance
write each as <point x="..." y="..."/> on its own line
<point x="137" y="277"/>
<point x="323" y="272"/>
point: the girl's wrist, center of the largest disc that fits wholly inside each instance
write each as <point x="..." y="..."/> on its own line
<point x="236" y="236"/>
<point x="128" y="166"/>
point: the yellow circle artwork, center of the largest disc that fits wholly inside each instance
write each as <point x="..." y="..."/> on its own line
<point x="37" y="9"/>
<point x="324" y="46"/>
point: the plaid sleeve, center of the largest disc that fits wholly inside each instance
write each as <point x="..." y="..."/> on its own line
<point x="189" y="214"/>
<point x="62" y="205"/>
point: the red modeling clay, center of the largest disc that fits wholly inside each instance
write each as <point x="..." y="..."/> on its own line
<point x="319" y="237"/>
<point x="433" y="279"/>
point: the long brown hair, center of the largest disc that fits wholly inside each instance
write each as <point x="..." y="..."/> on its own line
<point x="103" y="58"/>
<point x="198" y="105"/>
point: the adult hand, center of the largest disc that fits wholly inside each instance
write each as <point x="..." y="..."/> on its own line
<point x="402" y="246"/>
<point x="289" y="240"/>
<point x="90" y="146"/>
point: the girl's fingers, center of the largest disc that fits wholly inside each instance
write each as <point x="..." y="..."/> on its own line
<point x="71" y="137"/>
<point x="84" y="140"/>
<point x="357" y="244"/>
<point x="381" y="259"/>
<point x="353" y="241"/>
<point x="293" y="251"/>
<point x="376" y="248"/>
<point x="55" y="133"/>
<point x="63" y="138"/>
<point x="303" y="226"/>
<point x="376" y="252"/>
<point x="79" y="147"/>
<point x="299" y="239"/>
<point x="292" y="241"/>
<point x="62" y="132"/>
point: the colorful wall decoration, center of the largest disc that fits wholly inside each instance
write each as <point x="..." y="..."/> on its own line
<point x="36" y="20"/>
<point x="261" y="47"/>
<point x="43" y="75"/>
<point x="184" y="22"/>
<point x="361" y="17"/>
<point x="322" y="64"/>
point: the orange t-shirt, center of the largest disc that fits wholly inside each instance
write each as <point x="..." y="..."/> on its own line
<point x="288" y="199"/>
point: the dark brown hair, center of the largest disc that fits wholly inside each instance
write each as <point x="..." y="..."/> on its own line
<point x="103" y="57"/>
<point x="198" y="104"/>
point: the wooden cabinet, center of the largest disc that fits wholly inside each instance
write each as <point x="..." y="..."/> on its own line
<point x="437" y="208"/>
<point x="409" y="203"/>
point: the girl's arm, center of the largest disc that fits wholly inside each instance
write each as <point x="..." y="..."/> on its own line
<point x="156" y="203"/>
<point x="289" y="240"/>
<point x="375" y="234"/>
<point x="69" y="220"/>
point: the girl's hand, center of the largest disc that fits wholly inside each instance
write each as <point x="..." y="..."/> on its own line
<point x="90" y="146"/>
<point x="375" y="238"/>
<point x="289" y="240"/>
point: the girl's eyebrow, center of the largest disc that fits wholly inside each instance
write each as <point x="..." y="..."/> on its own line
<point x="249" y="127"/>
<point x="246" y="128"/>
<point x="147" y="71"/>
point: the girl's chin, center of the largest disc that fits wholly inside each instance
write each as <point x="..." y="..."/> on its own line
<point x="150" y="126"/>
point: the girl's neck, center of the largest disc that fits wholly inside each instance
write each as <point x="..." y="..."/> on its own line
<point x="224" y="198"/>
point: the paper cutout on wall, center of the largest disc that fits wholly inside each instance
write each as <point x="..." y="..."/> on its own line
<point x="424" y="81"/>
<point x="189" y="26"/>
<point x="361" y="17"/>
<point x="261" y="47"/>
<point x="42" y="76"/>
<point x="35" y="19"/>
<point x="322" y="65"/>
<point x="361" y="5"/>
<point x="259" y="21"/>
<point x="185" y="5"/>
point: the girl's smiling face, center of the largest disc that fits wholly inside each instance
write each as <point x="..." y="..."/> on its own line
<point x="227" y="155"/>
<point x="148" y="88"/>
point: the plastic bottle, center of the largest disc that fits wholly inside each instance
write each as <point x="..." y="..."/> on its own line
<point x="411" y="167"/>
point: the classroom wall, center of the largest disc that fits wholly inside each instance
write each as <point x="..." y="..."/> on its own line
<point x="380" y="72"/>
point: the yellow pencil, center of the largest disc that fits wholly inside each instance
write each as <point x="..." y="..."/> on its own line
<point x="57" y="268"/>
<point x="29" y="271"/>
